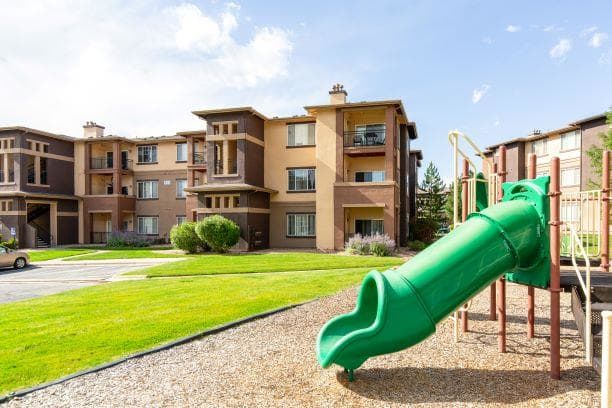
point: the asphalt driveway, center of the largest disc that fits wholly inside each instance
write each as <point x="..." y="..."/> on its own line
<point x="46" y="278"/>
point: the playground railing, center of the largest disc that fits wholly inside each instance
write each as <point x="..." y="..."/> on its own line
<point x="585" y="285"/>
<point x="581" y="210"/>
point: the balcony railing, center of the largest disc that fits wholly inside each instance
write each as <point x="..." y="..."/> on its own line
<point x="361" y="138"/>
<point x="199" y="158"/>
<point x="232" y="167"/>
<point x="100" y="163"/>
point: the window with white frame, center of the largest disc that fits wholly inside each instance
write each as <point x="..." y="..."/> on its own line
<point x="180" y="219"/>
<point x="540" y="147"/>
<point x="181" y="152"/>
<point x="570" y="212"/>
<point x="147" y="225"/>
<point x="180" y="188"/>
<point x="147" y="154"/>
<point x="369" y="176"/>
<point x="570" y="140"/>
<point x="147" y="189"/>
<point x="300" y="225"/>
<point x="301" y="134"/>
<point x="570" y="177"/>
<point x="369" y="227"/>
<point x="301" y="179"/>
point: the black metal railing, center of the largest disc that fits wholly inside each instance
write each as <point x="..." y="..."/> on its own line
<point x="361" y="138"/>
<point x="126" y="164"/>
<point x="232" y="167"/>
<point x="199" y="158"/>
<point x="101" y="163"/>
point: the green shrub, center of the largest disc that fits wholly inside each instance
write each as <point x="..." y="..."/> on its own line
<point x="416" y="245"/>
<point x="11" y="243"/>
<point x="218" y="232"/>
<point x="126" y="239"/>
<point x="184" y="237"/>
<point x="377" y="244"/>
<point x="423" y="230"/>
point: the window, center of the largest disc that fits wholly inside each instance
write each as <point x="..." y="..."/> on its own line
<point x="570" y="212"/>
<point x="208" y="203"/>
<point x="147" y="154"/>
<point x="180" y="188"/>
<point x="369" y="176"/>
<point x="147" y="189"/>
<point x="181" y="152"/>
<point x="570" y="140"/>
<point x="570" y="177"/>
<point x="6" y="205"/>
<point x="542" y="173"/>
<point x="300" y="225"/>
<point x="236" y="202"/>
<point x="43" y="170"/>
<point x="301" y="179"/>
<point x="147" y="225"/>
<point x="539" y="147"/>
<point x="369" y="227"/>
<point x="301" y="134"/>
<point x="180" y="219"/>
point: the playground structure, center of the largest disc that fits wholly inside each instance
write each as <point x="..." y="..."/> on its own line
<point x="504" y="232"/>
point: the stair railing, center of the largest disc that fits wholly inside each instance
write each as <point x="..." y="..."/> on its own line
<point x="585" y="285"/>
<point x="582" y="210"/>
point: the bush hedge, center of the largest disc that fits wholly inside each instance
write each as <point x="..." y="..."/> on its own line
<point x="184" y="237"/>
<point x="378" y="245"/>
<point x="218" y="232"/>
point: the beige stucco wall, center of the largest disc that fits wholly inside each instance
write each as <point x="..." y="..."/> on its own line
<point x="79" y="169"/>
<point x="352" y="214"/>
<point x="355" y="164"/>
<point x="166" y="158"/>
<point x="99" y="183"/>
<point x="277" y="158"/>
<point x="362" y="117"/>
<point x="325" y="137"/>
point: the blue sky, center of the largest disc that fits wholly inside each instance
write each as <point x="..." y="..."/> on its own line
<point x="492" y="69"/>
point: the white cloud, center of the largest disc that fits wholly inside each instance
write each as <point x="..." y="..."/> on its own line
<point x="606" y="57"/>
<point x="597" y="40"/>
<point x="513" y="28"/>
<point x="588" y="31"/>
<point x="478" y="93"/>
<point x="138" y="69"/>
<point x="549" y="28"/>
<point x="560" y="50"/>
<point x="487" y="40"/>
<point x="496" y="123"/>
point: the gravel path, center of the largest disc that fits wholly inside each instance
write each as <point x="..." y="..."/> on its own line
<point x="271" y="362"/>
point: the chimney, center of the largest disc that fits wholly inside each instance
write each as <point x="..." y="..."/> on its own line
<point x="337" y="95"/>
<point x="92" y="129"/>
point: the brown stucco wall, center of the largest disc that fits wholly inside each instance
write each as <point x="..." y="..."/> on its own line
<point x="590" y="137"/>
<point x="278" y="224"/>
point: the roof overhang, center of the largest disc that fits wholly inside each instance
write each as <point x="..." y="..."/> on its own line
<point x="37" y="132"/>
<point x="204" y="113"/>
<point x="365" y="104"/>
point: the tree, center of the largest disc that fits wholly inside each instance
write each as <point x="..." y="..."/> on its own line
<point x="431" y="202"/>
<point x="595" y="153"/>
<point x="448" y="206"/>
<point x="219" y="233"/>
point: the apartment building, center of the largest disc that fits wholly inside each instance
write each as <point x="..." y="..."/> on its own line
<point x="130" y="185"/>
<point x="570" y="143"/>
<point x="38" y="205"/>
<point x="308" y="181"/>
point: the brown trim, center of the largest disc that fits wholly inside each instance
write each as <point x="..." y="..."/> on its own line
<point x="146" y="163"/>
<point x="302" y="122"/>
<point x="300" y="191"/>
<point x="298" y="147"/>
<point x="301" y="168"/>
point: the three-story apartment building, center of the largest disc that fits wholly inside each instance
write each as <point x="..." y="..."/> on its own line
<point x="309" y="181"/>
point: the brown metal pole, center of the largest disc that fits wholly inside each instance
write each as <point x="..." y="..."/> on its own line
<point x="530" y="289"/>
<point x="464" y="214"/>
<point x="492" y="288"/>
<point x="501" y="282"/>
<point x="605" y="211"/>
<point x="555" y="284"/>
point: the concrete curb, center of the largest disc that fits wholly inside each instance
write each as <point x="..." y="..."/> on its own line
<point x="183" y="340"/>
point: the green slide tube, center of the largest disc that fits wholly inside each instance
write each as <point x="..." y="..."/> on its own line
<point x="399" y="308"/>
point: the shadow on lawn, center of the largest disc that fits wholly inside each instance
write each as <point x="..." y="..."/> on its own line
<point x="411" y="385"/>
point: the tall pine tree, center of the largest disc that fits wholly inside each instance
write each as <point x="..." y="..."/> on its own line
<point x="433" y="198"/>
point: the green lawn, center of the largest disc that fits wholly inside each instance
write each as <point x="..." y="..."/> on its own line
<point x="127" y="254"/>
<point x="249" y="263"/>
<point x="49" y="254"/>
<point x="45" y="338"/>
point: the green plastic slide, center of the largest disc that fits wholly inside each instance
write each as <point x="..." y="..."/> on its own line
<point x="400" y="308"/>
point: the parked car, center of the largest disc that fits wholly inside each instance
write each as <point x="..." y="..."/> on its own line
<point x="11" y="257"/>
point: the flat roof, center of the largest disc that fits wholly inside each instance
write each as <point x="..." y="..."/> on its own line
<point x="37" y="132"/>
<point x="191" y="132"/>
<point x="228" y="187"/>
<point x="206" y="112"/>
<point x="589" y="119"/>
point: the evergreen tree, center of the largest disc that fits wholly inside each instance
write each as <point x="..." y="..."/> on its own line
<point x="595" y="153"/>
<point x="432" y="200"/>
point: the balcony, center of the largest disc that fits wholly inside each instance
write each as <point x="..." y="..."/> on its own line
<point x="364" y="138"/>
<point x="106" y="163"/>
<point x="10" y="174"/>
<point x="232" y="167"/>
<point x="199" y="158"/>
